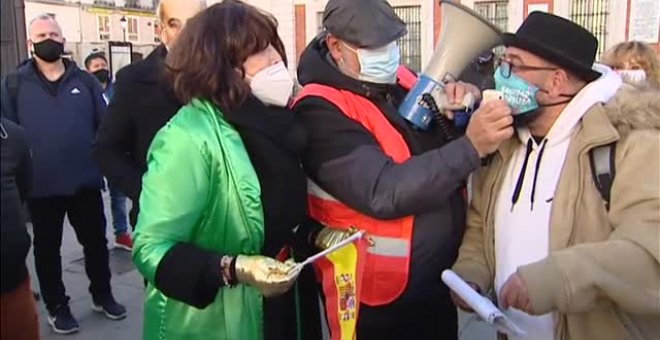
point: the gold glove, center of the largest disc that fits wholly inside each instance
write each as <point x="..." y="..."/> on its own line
<point x="270" y="276"/>
<point x="328" y="237"/>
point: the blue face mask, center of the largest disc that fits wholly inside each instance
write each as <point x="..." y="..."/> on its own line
<point x="379" y="65"/>
<point x="517" y="92"/>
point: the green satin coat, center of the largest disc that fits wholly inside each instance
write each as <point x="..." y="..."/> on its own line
<point x="200" y="189"/>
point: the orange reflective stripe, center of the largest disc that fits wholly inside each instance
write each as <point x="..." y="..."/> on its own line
<point x="388" y="260"/>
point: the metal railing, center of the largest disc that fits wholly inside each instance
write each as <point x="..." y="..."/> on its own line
<point x="411" y="43"/>
<point x="592" y="15"/>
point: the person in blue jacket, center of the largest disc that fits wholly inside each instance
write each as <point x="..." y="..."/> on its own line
<point x="60" y="108"/>
<point x="97" y="64"/>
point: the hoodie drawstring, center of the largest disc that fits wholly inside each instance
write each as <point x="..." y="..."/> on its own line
<point x="536" y="172"/>
<point x="521" y="175"/>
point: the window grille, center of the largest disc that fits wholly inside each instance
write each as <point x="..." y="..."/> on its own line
<point x="592" y="15"/>
<point x="411" y="43"/>
<point x="495" y="11"/>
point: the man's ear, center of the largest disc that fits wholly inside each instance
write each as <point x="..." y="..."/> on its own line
<point x="334" y="46"/>
<point x="560" y="83"/>
<point x="164" y="39"/>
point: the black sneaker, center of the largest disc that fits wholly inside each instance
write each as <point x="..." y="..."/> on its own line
<point x="63" y="321"/>
<point x="110" y="308"/>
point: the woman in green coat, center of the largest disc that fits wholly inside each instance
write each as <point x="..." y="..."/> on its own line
<point x="224" y="188"/>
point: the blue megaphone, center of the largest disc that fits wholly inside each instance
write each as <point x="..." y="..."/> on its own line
<point x="465" y="34"/>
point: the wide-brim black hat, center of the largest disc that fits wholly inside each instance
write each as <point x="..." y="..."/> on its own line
<point x="558" y="41"/>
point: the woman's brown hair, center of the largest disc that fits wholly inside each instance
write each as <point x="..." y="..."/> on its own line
<point x="636" y="52"/>
<point x="207" y="58"/>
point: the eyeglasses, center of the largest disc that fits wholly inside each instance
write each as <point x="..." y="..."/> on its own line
<point x="506" y="67"/>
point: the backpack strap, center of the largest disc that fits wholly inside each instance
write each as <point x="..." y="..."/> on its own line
<point x="602" y="161"/>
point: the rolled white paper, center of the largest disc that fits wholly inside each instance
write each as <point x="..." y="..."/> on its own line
<point x="480" y="304"/>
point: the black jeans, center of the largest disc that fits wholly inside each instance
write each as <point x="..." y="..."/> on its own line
<point x="85" y="212"/>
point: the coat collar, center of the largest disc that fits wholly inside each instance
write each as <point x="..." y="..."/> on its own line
<point x="276" y="124"/>
<point x="154" y="66"/>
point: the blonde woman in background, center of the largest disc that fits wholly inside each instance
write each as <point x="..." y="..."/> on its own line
<point x="636" y="62"/>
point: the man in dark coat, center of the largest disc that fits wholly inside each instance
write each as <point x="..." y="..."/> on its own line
<point x="19" y="313"/>
<point x="346" y="162"/>
<point x="97" y="65"/>
<point x="142" y="103"/>
<point x="60" y="107"/>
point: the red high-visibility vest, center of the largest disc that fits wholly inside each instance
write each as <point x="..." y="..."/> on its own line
<point x="388" y="261"/>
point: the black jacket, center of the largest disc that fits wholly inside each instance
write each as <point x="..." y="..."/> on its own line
<point x="347" y="162"/>
<point x="16" y="178"/>
<point x="142" y="103"/>
<point x="274" y="142"/>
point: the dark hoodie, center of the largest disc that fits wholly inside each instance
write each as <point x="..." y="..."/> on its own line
<point x="347" y="162"/>
<point x="16" y="176"/>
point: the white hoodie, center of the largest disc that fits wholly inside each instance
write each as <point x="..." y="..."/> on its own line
<point x="522" y="234"/>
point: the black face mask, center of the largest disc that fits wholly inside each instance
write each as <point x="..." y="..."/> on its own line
<point x="49" y="50"/>
<point x="102" y="75"/>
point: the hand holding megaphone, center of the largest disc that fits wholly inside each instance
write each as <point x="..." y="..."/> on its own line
<point x="458" y="96"/>
<point x="490" y="126"/>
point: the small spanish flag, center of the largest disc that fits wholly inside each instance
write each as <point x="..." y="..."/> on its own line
<point x="341" y="277"/>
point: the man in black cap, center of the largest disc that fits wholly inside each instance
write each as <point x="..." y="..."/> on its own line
<point x="371" y="170"/>
<point x="564" y="222"/>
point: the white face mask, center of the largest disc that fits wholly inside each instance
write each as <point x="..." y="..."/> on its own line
<point x="272" y="85"/>
<point x="378" y="65"/>
<point x="634" y="77"/>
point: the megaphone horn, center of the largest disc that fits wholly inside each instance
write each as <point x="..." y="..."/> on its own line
<point x="464" y="35"/>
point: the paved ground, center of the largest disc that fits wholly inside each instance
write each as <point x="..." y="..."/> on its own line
<point x="128" y="289"/>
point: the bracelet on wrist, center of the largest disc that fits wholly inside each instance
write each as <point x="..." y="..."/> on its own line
<point x="233" y="279"/>
<point x="225" y="263"/>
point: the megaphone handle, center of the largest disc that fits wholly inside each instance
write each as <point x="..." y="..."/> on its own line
<point x="440" y="97"/>
<point x="439" y="117"/>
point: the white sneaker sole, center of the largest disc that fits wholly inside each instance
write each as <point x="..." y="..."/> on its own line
<point x="121" y="246"/>
<point x="100" y="309"/>
<point x="51" y="322"/>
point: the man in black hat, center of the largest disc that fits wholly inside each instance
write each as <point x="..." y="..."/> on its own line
<point x="564" y="222"/>
<point x="371" y="170"/>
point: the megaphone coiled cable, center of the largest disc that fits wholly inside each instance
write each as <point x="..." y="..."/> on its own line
<point x="438" y="117"/>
